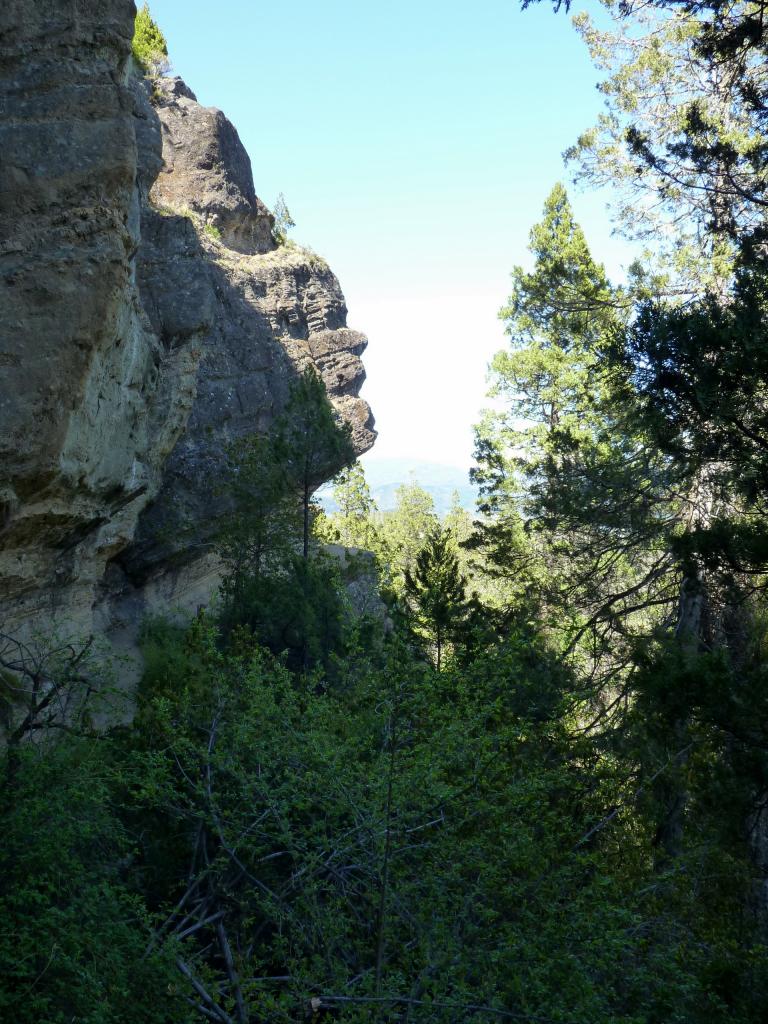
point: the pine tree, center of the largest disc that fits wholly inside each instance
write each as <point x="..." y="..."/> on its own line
<point x="574" y="500"/>
<point x="458" y="521"/>
<point x="310" y="442"/>
<point x="682" y="140"/>
<point x="285" y="593"/>
<point x="353" y="523"/>
<point x="263" y="522"/>
<point x="437" y="592"/>
<point x="283" y="220"/>
<point x="150" y="50"/>
<point x="405" y="530"/>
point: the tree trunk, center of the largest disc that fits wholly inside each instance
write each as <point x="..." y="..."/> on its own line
<point x="383" y="892"/>
<point x="670" y="789"/>
<point x="306" y="497"/>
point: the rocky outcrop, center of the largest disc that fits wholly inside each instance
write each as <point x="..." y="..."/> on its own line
<point x="207" y="170"/>
<point x="147" y="319"/>
<point x="275" y="313"/>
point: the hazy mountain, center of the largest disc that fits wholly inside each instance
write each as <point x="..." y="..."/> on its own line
<point x="384" y="476"/>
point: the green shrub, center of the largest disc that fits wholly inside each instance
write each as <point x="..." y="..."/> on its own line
<point x="74" y="942"/>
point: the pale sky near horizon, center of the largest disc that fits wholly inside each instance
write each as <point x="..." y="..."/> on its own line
<point x="415" y="144"/>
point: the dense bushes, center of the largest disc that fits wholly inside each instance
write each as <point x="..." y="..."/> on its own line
<point x="439" y="842"/>
<point x="75" y="919"/>
<point x="313" y="816"/>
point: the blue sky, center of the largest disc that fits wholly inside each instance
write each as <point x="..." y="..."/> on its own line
<point x="415" y="144"/>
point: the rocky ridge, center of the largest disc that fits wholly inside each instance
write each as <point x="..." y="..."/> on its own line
<point x="147" y="318"/>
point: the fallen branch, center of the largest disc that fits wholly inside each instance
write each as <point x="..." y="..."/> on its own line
<point x="221" y="1015"/>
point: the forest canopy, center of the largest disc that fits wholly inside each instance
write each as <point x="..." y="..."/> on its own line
<point x="508" y="765"/>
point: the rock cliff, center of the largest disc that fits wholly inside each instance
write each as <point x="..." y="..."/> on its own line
<point x="147" y="318"/>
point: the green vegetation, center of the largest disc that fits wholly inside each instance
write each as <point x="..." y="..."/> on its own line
<point x="405" y="530"/>
<point x="149" y="48"/>
<point x="353" y="525"/>
<point x="437" y="594"/>
<point x="368" y="816"/>
<point x="283" y="220"/>
<point x="527" y="781"/>
<point x="279" y="586"/>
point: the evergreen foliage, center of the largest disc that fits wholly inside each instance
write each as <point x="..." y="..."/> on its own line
<point x="276" y="585"/>
<point x="436" y="591"/>
<point x="283" y="220"/>
<point x="404" y="531"/>
<point x="577" y="504"/>
<point x="309" y="442"/>
<point x="560" y="817"/>
<point x="149" y="47"/>
<point x="353" y="524"/>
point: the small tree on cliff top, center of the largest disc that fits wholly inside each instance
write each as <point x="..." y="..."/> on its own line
<point x="150" y="50"/>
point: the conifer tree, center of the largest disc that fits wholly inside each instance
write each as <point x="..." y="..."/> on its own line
<point x="309" y="442"/>
<point x="575" y="501"/>
<point x="678" y="144"/>
<point x="458" y="521"/>
<point x="276" y="585"/>
<point x="353" y="522"/>
<point x="150" y="50"/>
<point x="263" y="521"/>
<point x="437" y="592"/>
<point x="682" y="139"/>
<point x="405" y="530"/>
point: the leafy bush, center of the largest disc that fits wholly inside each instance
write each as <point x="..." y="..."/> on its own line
<point x="75" y="926"/>
<point x="381" y="833"/>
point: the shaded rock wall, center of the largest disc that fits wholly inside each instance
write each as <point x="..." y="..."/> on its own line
<point x="134" y="343"/>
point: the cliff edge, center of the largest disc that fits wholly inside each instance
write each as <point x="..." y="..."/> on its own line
<point x="147" y="319"/>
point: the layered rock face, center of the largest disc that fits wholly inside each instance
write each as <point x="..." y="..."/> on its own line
<point x="146" y="319"/>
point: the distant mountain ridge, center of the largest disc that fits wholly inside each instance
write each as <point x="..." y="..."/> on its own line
<point x="385" y="475"/>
